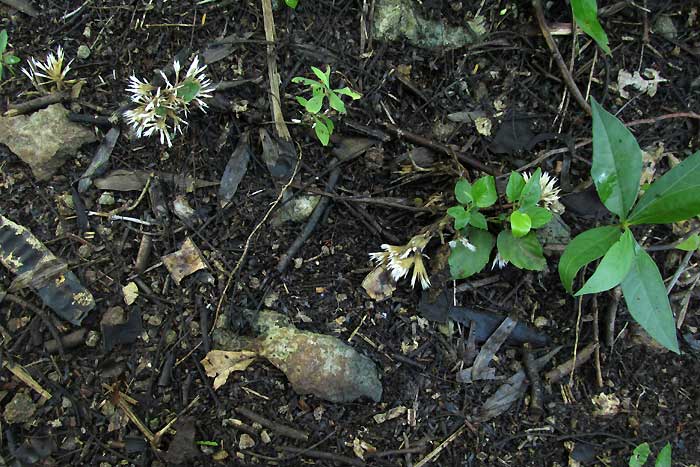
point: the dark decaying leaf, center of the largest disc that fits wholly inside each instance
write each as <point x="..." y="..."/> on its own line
<point x="182" y="448"/>
<point x="35" y="449"/>
<point x="485" y="322"/>
<point x="125" y="333"/>
<point x="21" y="252"/>
<point x="135" y="180"/>
<point x="279" y="155"/>
<point x="510" y="391"/>
<point x="235" y="170"/>
<point x="513" y="135"/>
<point x="25" y="6"/>
<point x="491" y="346"/>
<point x="584" y="203"/>
<point x="100" y="162"/>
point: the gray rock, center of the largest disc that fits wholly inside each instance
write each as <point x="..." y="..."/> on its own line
<point x="665" y="27"/>
<point x="399" y="19"/>
<point x="20" y="409"/>
<point x="297" y="210"/>
<point x="83" y="52"/>
<point x="315" y="363"/>
<point x="44" y="139"/>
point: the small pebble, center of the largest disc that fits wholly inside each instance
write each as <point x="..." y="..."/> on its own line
<point x="93" y="338"/>
<point x="83" y="52"/>
<point x="246" y="441"/>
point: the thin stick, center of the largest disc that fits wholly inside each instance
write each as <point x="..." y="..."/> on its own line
<point x="35" y="104"/>
<point x="568" y="79"/>
<point x="679" y="271"/>
<point x="596" y="341"/>
<point x="578" y="334"/>
<point x="322" y="455"/>
<point x="432" y="455"/>
<point x="533" y="375"/>
<point x="283" y="430"/>
<point x="249" y="240"/>
<point x="425" y="142"/>
<point x="567" y="368"/>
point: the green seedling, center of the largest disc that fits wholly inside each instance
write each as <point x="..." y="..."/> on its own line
<point x="641" y="454"/>
<point x="213" y="444"/>
<point x="320" y="92"/>
<point x="616" y="172"/>
<point x="586" y="16"/>
<point x="531" y="198"/>
<point x="7" y="59"/>
<point x="292" y="3"/>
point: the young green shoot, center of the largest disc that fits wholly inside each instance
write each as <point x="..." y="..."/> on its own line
<point x="7" y="59"/>
<point x="321" y="92"/>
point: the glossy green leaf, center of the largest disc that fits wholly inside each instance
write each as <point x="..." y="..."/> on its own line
<point x="329" y="123"/>
<point x="292" y="3"/>
<point x="584" y="248"/>
<point x="586" y="16"/>
<point x="515" y="186"/>
<point x="617" y="162"/>
<point x="484" y="191"/>
<point x="348" y="92"/>
<point x="464" y="262"/>
<point x="520" y="223"/>
<point x="322" y="132"/>
<point x="478" y="220"/>
<point x="11" y="60"/>
<point x="336" y="103"/>
<point x="463" y="191"/>
<point x="539" y="216"/>
<point x="524" y="252"/>
<point x="530" y="195"/>
<point x="640" y="455"/>
<point x="306" y="81"/>
<point x="647" y="302"/>
<point x="188" y="90"/>
<point x="323" y="77"/>
<point x="673" y="197"/>
<point x="3" y="41"/>
<point x="689" y="244"/>
<point x="664" y="457"/>
<point x="460" y="215"/>
<point x="613" y="267"/>
<point x="314" y="104"/>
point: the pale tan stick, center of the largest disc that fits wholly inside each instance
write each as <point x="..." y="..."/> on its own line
<point x="272" y="73"/>
<point x="432" y="455"/>
<point x="21" y="374"/>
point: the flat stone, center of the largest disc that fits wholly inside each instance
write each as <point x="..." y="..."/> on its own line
<point x="315" y="363"/>
<point x="44" y="139"/>
<point x="20" y="409"/>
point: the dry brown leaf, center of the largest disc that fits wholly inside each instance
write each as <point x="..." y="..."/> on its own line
<point x="220" y="363"/>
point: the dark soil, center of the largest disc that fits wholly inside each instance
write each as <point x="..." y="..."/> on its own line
<point x="510" y="76"/>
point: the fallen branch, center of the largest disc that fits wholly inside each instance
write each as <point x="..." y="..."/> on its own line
<point x="566" y="74"/>
<point x="556" y="375"/>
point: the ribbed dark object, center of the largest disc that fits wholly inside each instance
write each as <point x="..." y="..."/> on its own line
<point x="22" y="253"/>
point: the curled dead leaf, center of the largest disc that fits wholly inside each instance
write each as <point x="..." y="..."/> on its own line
<point x="218" y="364"/>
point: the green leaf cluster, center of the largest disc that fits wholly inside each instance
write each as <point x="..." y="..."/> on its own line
<point x="616" y="171"/>
<point x="7" y="59"/>
<point x="472" y="248"/>
<point x="641" y="454"/>
<point x="320" y="92"/>
<point x="517" y="243"/>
